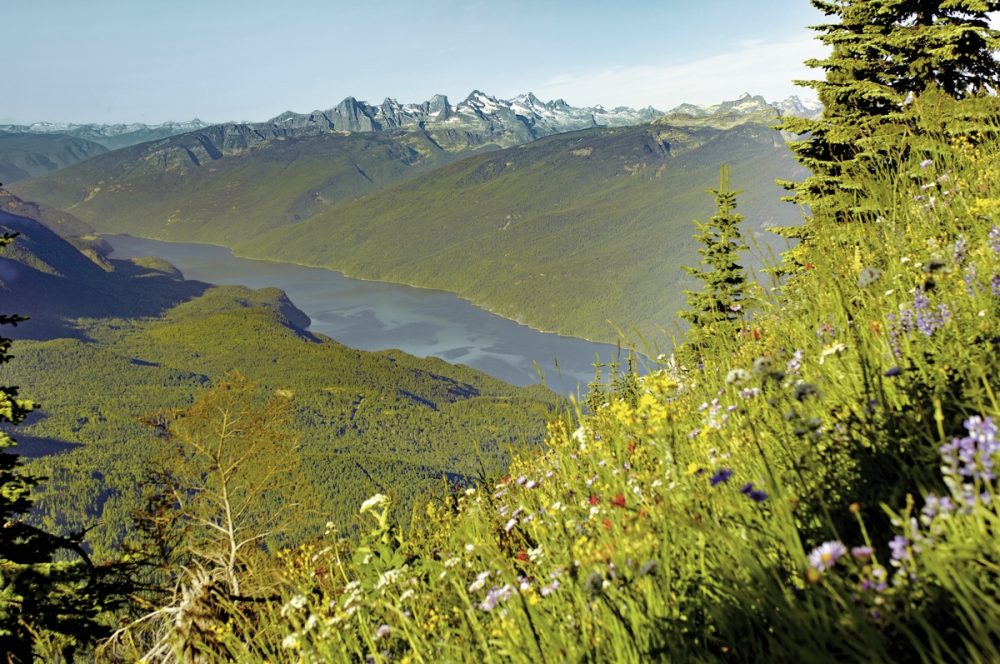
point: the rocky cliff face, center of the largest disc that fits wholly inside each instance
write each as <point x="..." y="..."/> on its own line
<point x="478" y="119"/>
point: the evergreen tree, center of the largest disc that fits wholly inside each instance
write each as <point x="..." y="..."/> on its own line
<point x="884" y="52"/>
<point x="716" y="309"/>
<point x="42" y="597"/>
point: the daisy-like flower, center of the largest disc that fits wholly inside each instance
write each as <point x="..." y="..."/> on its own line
<point x="826" y="555"/>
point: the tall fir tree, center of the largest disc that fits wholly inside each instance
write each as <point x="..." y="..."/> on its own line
<point x="883" y="53"/>
<point x="717" y="308"/>
<point x="51" y="593"/>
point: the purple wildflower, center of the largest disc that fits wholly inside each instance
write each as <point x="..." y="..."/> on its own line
<point x="758" y="496"/>
<point x="862" y="552"/>
<point x="722" y="475"/>
<point x="995" y="239"/>
<point x="970" y="279"/>
<point x="892" y="372"/>
<point x="826" y="555"/>
<point x="547" y="590"/>
<point x="926" y="162"/>
<point x="972" y="457"/>
<point x="747" y="488"/>
<point x="494" y="596"/>
<point x="898" y="546"/>
<point x="995" y="284"/>
<point x="961" y="249"/>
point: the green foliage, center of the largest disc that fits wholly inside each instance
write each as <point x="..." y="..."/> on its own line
<point x="717" y="309"/>
<point x="884" y="52"/>
<point x="44" y="598"/>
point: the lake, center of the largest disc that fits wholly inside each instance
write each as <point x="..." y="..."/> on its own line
<point x="373" y="315"/>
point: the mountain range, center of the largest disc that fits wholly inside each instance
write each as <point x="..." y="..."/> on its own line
<point x="478" y="119"/>
<point x="111" y="136"/>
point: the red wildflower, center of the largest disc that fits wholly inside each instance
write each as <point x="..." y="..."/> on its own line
<point x="608" y="524"/>
<point x="618" y="501"/>
<point x="594" y="500"/>
<point x="522" y="555"/>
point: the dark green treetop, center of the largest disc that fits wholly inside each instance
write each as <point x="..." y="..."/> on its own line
<point x="883" y="53"/>
<point x="716" y="308"/>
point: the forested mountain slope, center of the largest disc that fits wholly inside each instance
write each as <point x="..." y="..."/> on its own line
<point x="119" y="341"/>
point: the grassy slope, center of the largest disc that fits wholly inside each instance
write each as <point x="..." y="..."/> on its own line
<point x="140" y="340"/>
<point x="563" y="234"/>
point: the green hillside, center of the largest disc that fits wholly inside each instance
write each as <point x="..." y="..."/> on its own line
<point x="562" y="234"/>
<point x="226" y="183"/>
<point x="107" y="347"/>
<point x="26" y="155"/>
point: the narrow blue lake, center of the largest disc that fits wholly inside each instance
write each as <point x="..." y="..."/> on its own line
<point x="372" y="315"/>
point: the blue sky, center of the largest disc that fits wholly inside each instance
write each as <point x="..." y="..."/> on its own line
<point x="151" y="61"/>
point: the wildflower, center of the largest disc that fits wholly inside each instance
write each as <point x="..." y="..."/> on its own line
<point x="618" y="501"/>
<point x="375" y="501"/>
<point x="495" y="596"/>
<point x="972" y="457"/>
<point x="795" y="363"/>
<point x="862" y="552"/>
<point x="550" y="588"/>
<point x="722" y="475"/>
<point x="994" y="236"/>
<point x="737" y="376"/>
<point x="289" y="642"/>
<point x="832" y="349"/>
<point x="753" y="494"/>
<point x="764" y="366"/>
<point x="892" y="372"/>
<point x="826" y="555"/>
<point x="961" y="249"/>
<point x="593" y="500"/>
<point x="382" y="631"/>
<point x="868" y="276"/>
<point x="995" y="285"/>
<point x="510" y="525"/>
<point x="898" y="546"/>
<point x="479" y="582"/>
<point x="925" y="163"/>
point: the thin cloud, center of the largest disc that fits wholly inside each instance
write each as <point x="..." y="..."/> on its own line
<point x="756" y="67"/>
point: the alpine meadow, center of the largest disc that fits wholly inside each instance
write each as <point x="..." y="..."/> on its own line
<point x="788" y="453"/>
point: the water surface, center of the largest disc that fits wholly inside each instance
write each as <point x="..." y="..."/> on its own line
<point x="373" y="315"/>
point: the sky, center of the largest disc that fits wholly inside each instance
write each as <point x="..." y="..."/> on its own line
<point x="151" y="61"/>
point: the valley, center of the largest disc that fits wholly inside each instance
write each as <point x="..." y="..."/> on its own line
<point x="581" y="232"/>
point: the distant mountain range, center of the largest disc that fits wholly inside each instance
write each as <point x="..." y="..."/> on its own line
<point x="479" y="119"/>
<point x="111" y="136"/>
<point x="26" y="155"/>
